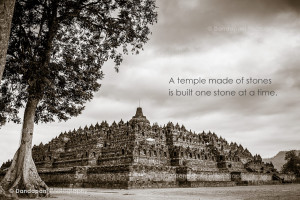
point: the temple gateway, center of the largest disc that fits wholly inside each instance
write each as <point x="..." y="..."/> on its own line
<point x="136" y="154"/>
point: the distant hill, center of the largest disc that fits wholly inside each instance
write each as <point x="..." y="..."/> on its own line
<point x="278" y="160"/>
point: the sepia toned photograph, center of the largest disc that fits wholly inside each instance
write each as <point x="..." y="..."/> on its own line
<point x="149" y="99"/>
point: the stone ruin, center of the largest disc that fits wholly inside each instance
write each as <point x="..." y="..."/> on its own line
<point x="136" y="154"/>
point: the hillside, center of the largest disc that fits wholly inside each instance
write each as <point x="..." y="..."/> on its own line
<point x="278" y="160"/>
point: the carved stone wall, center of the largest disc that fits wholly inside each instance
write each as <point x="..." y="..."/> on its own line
<point x="136" y="154"/>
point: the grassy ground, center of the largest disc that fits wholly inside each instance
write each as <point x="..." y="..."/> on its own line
<point x="268" y="192"/>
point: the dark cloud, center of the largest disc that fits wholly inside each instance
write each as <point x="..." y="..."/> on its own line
<point x="202" y="22"/>
<point x="289" y="73"/>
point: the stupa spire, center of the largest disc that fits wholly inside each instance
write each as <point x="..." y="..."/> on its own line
<point x="139" y="112"/>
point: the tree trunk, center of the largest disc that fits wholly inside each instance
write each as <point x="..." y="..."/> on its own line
<point x="22" y="176"/>
<point x="6" y="14"/>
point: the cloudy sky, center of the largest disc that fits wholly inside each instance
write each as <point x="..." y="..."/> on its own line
<point x="207" y="39"/>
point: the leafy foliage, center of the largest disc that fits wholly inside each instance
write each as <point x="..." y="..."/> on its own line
<point x="57" y="49"/>
<point x="293" y="163"/>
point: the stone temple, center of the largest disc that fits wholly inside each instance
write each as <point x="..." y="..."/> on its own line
<point x="136" y="154"/>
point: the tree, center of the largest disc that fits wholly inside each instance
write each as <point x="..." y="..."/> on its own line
<point x="293" y="163"/>
<point x="6" y="13"/>
<point x="55" y="55"/>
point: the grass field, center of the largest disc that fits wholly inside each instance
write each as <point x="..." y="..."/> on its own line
<point x="269" y="192"/>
